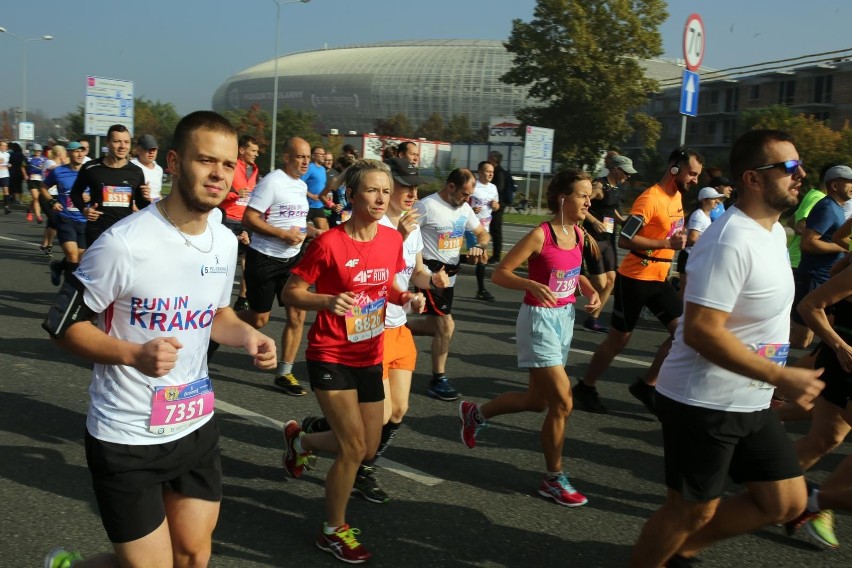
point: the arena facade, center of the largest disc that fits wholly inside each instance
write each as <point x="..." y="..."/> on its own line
<point x="348" y="88"/>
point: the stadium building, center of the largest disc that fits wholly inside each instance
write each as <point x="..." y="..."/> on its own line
<point x="349" y="88"/>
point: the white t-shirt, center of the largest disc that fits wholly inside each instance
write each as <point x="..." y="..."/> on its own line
<point x="284" y="201"/>
<point x="413" y="244"/>
<point x="483" y="195"/>
<point x="443" y="227"/>
<point x="4" y="164"/>
<point x="740" y="268"/>
<point x="153" y="178"/>
<point x="145" y="283"/>
<point x="698" y="221"/>
<point x="847" y="209"/>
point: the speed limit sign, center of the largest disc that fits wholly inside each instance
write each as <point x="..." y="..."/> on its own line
<point x="693" y="42"/>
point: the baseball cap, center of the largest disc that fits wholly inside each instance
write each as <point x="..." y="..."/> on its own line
<point x="37" y="147"/>
<point x="623" y="163"/>
<point x="73" y="146"/>
<point x="709" y="193"/>
<point x="147" y="142"/>
<point x="844" y="172"/>
<point x="719" y="181"/>
<point x="404" y="172"/>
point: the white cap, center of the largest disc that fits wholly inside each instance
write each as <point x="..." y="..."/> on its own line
<point x="709" y="193"/>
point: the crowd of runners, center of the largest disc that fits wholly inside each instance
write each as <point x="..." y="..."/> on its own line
<point x="351" y="240"/>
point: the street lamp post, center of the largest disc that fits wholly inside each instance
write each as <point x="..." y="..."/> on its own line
<point x="275" y="79"/>
<point x="24" y="41"/>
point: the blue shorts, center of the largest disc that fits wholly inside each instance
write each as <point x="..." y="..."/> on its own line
<point x="70" y="231"/>
<point x="544" y="335"/>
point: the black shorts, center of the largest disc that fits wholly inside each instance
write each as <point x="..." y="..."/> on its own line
<point x="606" y="262"/>
<point x="682" y="258"/>
<point x="439" y="301"/>
<point x="265" y="277"/>
<point x="129" y="480"/>
<point x="838" y="383"/>
<point x="804" y="286"/>
<point x="315" y="213"/>
<point x="4" y="182"/>
<point x="335" y="376"/>
<point x="93" y="231"/>
<point x="34" y="185"/>
<point x="238" y="229"/>
<point x="69" y="231"/>
<point x="631" y="295"/>
<point x="702" y="447"/>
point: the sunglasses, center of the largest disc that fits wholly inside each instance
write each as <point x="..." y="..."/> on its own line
<point x="790" y="167"/>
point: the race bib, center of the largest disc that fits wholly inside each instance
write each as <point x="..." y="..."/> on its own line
<point x="563" y="283"/>
<point x="775" y="352"/>
<point x="449" y="241"/>
<point x="116" y="196"/>
<point x="364" y="322"/>
<point x="174" y="409"/>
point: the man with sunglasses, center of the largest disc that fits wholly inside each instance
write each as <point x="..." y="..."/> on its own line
<point x="728" y="355"/>
<point x="819" y="253"/>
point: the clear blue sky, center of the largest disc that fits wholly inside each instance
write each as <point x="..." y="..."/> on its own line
<point x="180" y="51"/>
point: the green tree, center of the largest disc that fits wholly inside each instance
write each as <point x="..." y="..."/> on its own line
<point x="458" y="129"/>
<point x="580" y="59"/>
<point x="432" y="128"/>
<point x="253" y="122"/>
<point x="398" y="126"/>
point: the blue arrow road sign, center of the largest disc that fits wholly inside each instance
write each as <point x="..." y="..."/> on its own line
<point x="689" y="93"/>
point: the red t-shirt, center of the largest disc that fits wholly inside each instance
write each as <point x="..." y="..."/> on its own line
<point x="234" y="206"/>
<point x="336" y="263"/>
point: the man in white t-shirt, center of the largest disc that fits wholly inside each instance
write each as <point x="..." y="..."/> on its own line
<point x="152" y="444"/>
<point x="146" y="158"/>
<point x="276" y="215"/>
<point x="485" y="201"/>
<point x="4" y="175"/>
<point x="443" y="218"/>
<point x="729" y="352"/>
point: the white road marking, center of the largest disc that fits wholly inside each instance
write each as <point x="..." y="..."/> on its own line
<point x="617" y="358"/>
<point x="260" y="419"/>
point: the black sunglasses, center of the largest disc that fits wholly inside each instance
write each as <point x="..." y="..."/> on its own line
<point x="790" y="167"/>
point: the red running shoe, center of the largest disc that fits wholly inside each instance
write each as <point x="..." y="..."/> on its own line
<point x="344" y="545"/>
<point x="561" y="491"/>
<point x="294" y="463"/>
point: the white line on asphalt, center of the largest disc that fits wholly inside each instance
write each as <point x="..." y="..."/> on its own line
<point x="262" y="420"/>
<point x="617" y="358"/>
<point x="19" y="241"/>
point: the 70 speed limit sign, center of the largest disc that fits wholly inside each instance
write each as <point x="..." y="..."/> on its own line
<point x="693" y="42"/>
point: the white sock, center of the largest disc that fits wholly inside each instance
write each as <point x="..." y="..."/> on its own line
<point x="284" y="368"/>
<point x="297" y="444"/>
<point x="329" y="530"/>
<point x="553" y="474"/>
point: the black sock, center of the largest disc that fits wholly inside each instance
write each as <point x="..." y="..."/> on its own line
<point x="438" y="376"/>
<point x="480" y="277"/>
<point x="388" y="433"/>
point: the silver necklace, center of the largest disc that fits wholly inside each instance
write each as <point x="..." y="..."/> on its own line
<point x="187" y="242"/>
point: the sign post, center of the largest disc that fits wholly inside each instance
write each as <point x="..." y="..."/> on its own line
<point x="694" y="42"/>
<point x="108" y="102"/>
<point x="538" y="155"/>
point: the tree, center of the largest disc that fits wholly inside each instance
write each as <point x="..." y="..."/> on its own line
<point x="397" y="126"/>
<point x="580" y="59"/>
<point x="432" y="128"/>
<point x="458" y="129"/>
<point x="253" y="122"/>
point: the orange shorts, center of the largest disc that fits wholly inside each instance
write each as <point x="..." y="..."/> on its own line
<point x="400" y="351"/>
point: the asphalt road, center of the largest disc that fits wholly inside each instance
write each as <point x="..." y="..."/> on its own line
<point x="451" y="506"/>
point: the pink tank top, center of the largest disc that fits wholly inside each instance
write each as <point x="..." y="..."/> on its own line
<point x="556" y="268"/>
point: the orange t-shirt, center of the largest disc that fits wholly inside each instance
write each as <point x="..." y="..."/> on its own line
<point x="663" y="214"/>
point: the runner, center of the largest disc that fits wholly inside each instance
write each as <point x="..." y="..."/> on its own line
<point x="152" y="444"/>
<point x="545" y="326"/>
<point x="485" y="201"/>
<point x="351" y="268"/>
<point x="70" y="223"/>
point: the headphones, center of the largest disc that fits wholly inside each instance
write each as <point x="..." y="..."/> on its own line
<point x="674" y="170"/>
<point x="681" y="154"/>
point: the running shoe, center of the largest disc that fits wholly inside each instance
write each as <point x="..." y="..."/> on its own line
<point x="30" y="216"/>
<point x="821" y="528"/>
<point x="594" y="324"/>
<point x="55" y="273"/>
<point x="644" y="393"/>
<point x="470" y="424"/>
<point x="561" y="491"/>
<point x="46" y="250"/>
<point x="791" y="527"/>
<point x="442" y="389"/>
<point x="485" y="296"/>
<point x="290" y="384"/>
<point x="8" y="210"/>
<point x="241" y="304"/>
<point x="588" y="398"/>
<point x="294" y="463"/>
<point x="311" y="424"/>
<point x="61" y="558"/>
<point x="344" y="545"/>
<point x="367" y="486"/>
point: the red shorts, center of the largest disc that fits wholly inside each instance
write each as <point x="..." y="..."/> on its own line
<point x="400" y="351"/>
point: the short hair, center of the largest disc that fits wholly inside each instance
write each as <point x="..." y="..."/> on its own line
<point x="116" y="128"/>
<point x="290" y="144"/>
<point x="315" y="148"/>
<point x="356" y="173"/>
<point x="403" y="148"/>
<point x="389" y="152"/>
<point x="563" y="184"/>
<point x="460" y="176"/>
<point x="344" y="161"/>
<point x="350" y="149"/>
<point x="681" y="156"/>
<point x="749" y="151"/>
<point x="245" y="140"/>
<point x="200" y="120"/>
<point x="496" y="156"/>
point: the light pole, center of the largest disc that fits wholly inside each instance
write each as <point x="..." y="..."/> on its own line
<point x="275" y="80"/>
<point x="24" y="41"/>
